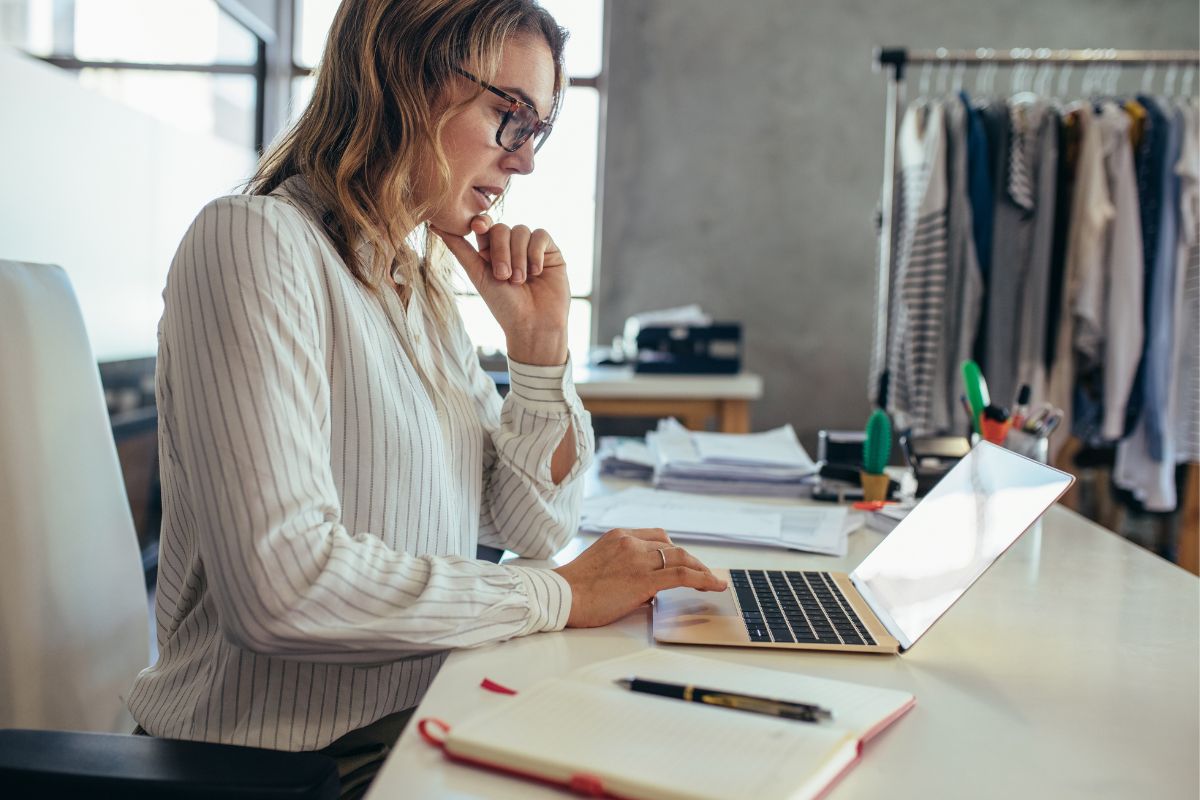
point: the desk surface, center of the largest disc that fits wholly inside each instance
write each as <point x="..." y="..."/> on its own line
<point x="1069" y="670"/>
<point x="622" y="383"/>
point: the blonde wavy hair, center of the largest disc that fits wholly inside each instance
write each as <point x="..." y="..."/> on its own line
<point x="373" y="126"/>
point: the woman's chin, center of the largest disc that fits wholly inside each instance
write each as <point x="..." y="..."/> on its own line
<point x="458" y="224"/>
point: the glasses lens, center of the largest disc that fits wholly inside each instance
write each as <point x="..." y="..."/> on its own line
<point x="522" y="123"/>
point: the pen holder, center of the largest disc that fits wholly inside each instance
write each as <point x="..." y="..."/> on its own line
<point x="1028" y="445"/>
<point x="875" y="487"/>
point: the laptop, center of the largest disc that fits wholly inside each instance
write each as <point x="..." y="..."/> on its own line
<point x="949" y="539"/>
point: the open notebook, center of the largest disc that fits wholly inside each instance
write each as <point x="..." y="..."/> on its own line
<point x="585" y="732"/>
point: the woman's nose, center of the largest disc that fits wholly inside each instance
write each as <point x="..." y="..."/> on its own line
<point x="519" y="161"/>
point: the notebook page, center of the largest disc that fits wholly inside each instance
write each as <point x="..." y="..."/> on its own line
<point x="856" y="707"/>
<point x="646" y="746"/>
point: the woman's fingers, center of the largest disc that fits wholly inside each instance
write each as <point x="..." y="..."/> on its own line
<point x="499" y="250"/>
<point x="674" y="577"/>
<point x="519" y="250"/>
<point x="472" y="261"/>
<point x="671" y="557"/>
<point x="649" y="535"/>
<point x="539" y="242"/>
<point x="514" y="254"/>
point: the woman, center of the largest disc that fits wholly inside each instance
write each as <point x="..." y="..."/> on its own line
<point x="331" y="451"/>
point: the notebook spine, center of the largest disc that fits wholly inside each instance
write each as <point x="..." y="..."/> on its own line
<point x="581" y="783"/>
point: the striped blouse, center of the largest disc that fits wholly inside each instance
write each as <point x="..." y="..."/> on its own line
<point x="329" y="465"/>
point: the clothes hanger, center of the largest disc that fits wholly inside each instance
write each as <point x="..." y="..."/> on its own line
<point x="1169" y="80"/>
<point x="1064" y="81"/>
<point x="1148" y="79"/>
<point x="943" y="78"/>
<point x="923" y="86"/>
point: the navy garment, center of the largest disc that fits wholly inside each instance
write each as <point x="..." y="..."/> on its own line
<point x="1068" y="152"/>
<point x="1160" y="295"/>
<point x="979" y="184"/>
<point x="994" y="119"/>
<point x="1149" y="165"/>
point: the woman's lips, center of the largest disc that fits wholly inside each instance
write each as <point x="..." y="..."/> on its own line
<point x="482" y="199"/>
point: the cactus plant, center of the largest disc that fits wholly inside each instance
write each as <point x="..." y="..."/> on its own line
<point x="877" y="447"/>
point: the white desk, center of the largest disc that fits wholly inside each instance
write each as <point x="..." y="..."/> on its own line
<point x="619" y="392"/>
<point x="1070" y="670"/>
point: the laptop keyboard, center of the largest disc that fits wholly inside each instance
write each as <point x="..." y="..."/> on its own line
<point x="804" y="607"/>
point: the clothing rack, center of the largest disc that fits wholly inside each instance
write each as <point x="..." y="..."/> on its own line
<point x="895" y="60"/>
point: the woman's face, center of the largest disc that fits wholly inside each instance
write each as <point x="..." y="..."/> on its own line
<point x="479" y="168"/>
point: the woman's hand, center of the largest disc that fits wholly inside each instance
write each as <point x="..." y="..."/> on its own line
<point x="522" y="277"/>
<point x="623" y="570"/>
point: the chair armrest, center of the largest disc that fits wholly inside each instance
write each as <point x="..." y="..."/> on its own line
<point x="67" y="763"/>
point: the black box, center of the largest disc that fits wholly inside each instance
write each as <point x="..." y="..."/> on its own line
<point x="711" y="349"/>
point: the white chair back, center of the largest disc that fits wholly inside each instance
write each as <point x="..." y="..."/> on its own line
<point x="73" y="613"/>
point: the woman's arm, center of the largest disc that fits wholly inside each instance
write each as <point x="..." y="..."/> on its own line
<point x="533" y="457"/>
<point x="246" y="417"/>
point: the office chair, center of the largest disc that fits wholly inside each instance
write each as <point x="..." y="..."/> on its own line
<point x="74" y="628"/>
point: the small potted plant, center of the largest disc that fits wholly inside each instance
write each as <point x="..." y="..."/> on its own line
<point x="877" y="448"/>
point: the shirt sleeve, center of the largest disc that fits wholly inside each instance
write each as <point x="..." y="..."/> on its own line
<point x="244" y="403"/>
<point x="523" y="509"/>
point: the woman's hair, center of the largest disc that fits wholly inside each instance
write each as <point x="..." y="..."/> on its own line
<point x="371" y="130"/>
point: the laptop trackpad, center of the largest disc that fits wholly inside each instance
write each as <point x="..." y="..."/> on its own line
<point x="689" y="616"/>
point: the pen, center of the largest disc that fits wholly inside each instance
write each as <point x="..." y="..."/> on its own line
<point x="804" y="712"/>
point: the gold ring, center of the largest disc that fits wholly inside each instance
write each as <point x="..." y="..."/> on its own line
<point x="662" y="553"/>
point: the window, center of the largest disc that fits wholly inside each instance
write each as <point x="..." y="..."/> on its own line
<point x="560" y="195"/>
<point x="185" y="62"/>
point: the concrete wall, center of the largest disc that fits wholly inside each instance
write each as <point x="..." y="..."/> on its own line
<point x="743" y="160"/>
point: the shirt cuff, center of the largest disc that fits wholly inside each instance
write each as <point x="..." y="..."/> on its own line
<point x="540" y="388"/>
<point x="549" y="597"/>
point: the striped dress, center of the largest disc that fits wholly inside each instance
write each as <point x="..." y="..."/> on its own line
<point x="329" y="464"/>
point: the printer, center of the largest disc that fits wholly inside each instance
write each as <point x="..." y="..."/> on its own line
<point x="683" y="340"/>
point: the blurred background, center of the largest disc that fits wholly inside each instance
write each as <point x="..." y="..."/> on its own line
<point x="725" y="154"/>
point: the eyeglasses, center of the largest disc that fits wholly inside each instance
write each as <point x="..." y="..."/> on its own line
<point x="520" y="122"/>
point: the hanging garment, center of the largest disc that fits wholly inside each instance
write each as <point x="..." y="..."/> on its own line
<point x="964" y="281"/>
<point x="1158" y="357"/>
<point x="1091" y="213"/>
<point x="1109" y="330"/>
<point x="1145" y="462"/>
<point x="1068" y="157"/>
<point x="919" y="277"/>
<point x="1187" y="321"/>
<point x="993" y="117"/>
<point x="1021" y="244"/>
<point x="979" y="183"/>
<point x="1151" y="165"/>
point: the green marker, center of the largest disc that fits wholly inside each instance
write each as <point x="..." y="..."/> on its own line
<point x="977" y="391"/>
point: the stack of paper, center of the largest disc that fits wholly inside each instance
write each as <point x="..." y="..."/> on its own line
<point x="771" y="463"/>
<point x="688" y="517"/>
<point x="625" y="457"/>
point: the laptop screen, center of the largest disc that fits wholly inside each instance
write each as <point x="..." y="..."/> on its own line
<point x="957" y="531"/>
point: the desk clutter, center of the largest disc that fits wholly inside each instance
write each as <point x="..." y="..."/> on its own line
<point x="621" y="743"/>
<point x="821" y="530"/>
<point x="771" y="463"/>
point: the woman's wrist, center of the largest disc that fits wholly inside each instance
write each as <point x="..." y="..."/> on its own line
<point x="539" y="349"/>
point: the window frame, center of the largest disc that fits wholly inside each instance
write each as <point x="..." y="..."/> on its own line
<point x="264" y="38"/>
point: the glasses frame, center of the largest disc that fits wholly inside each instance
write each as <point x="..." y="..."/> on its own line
<point x="514" y="103"/>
